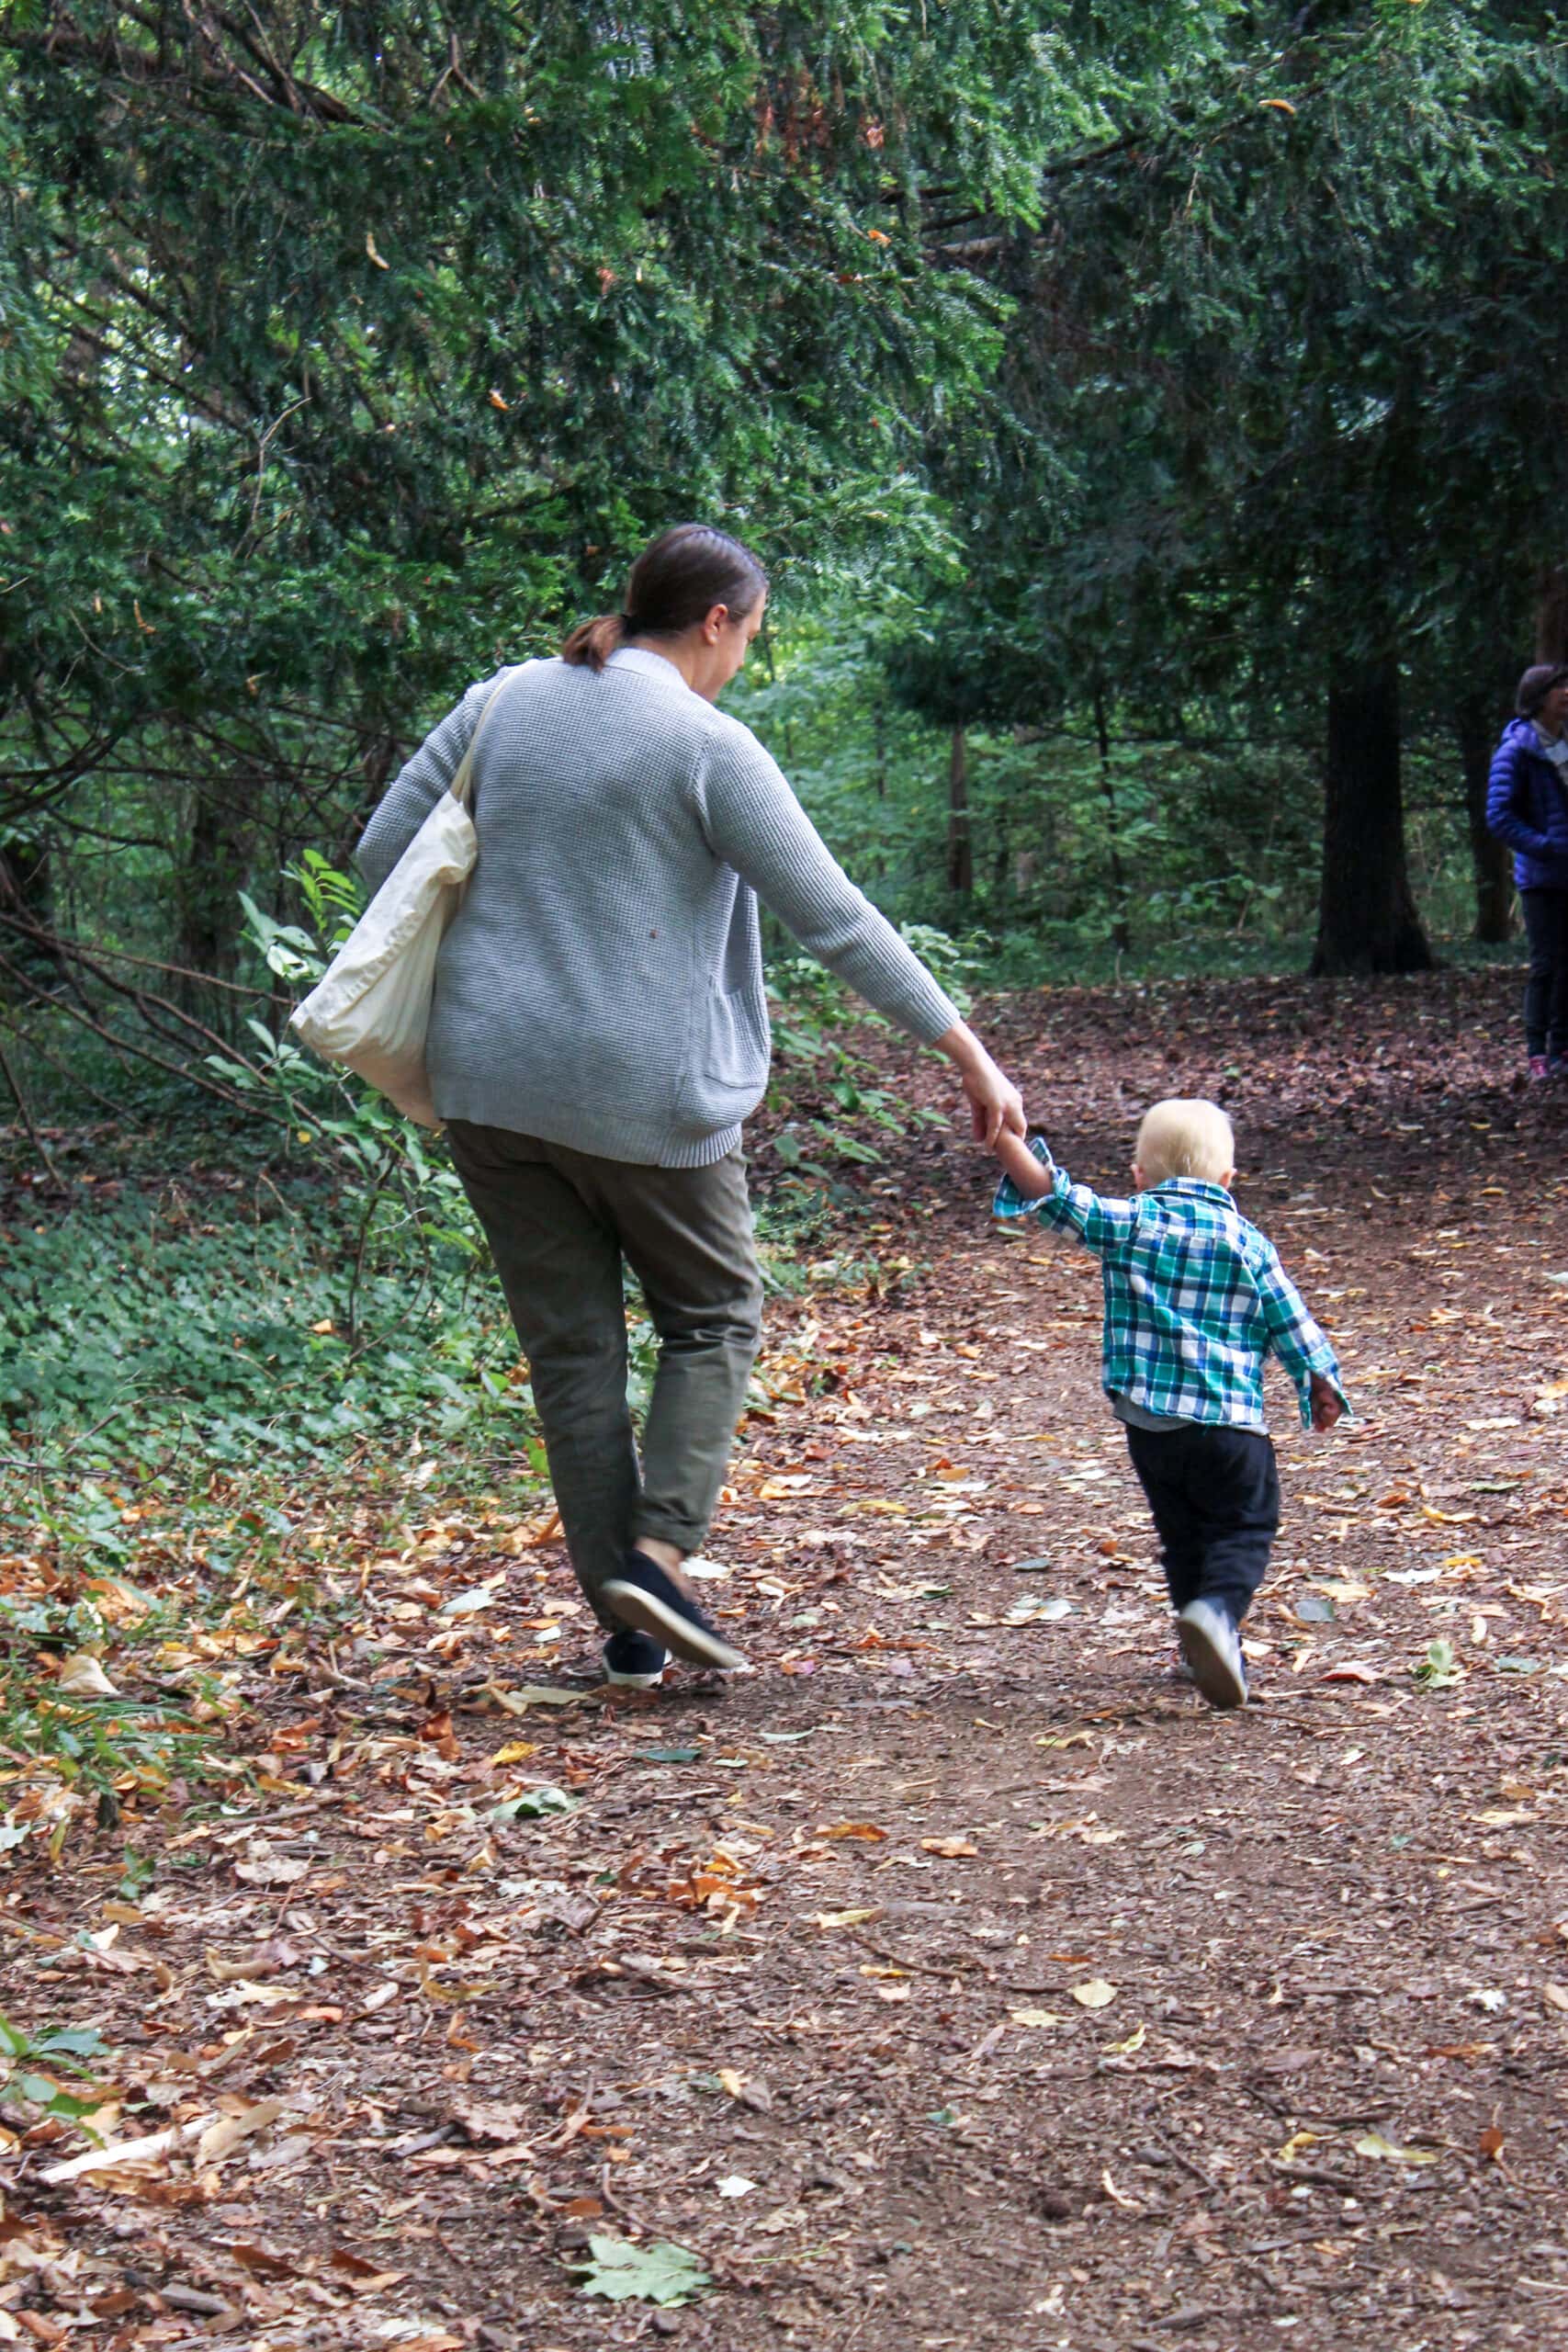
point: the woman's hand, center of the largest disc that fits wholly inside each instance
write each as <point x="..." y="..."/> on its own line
<point x="994" y="1102"/>
<point x="995" y="1107"/>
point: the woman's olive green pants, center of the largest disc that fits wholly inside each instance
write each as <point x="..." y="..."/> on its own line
<point x="560" y="1225"/>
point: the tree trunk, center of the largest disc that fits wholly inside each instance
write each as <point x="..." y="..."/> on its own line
<point x="1551" y="615"/>
<point x="211" y="867"/>
<point x="959" y="848"/>
<point x="27" y="891"/>
<point x="1475" y="725"/>
<point x="1367" y="918"/>
<point x="1121" y="934"/>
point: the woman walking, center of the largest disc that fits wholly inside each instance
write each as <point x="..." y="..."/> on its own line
<point x="600" y="1031"/>
<point x="1527" y="805"/>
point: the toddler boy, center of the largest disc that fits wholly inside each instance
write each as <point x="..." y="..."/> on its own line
<point x="1195" y="1298"/>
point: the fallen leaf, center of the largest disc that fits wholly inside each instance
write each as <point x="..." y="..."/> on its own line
<point x="1372" y="2144"/>
<point x="230" y="2130"/>
<point x="660" y="2273"/>
<point x="83" y="1677"/>
<point x="735" y="2184"/>
<point x="532" y="1694"/>
<point x="865" y="1830"/>
<point x="1035" y="2016"/>
<point x="1096" y="1994"/>
<point x="952" y="1849"/>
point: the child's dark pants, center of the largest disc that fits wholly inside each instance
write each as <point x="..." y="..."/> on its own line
<point x="1215" y="1493"/>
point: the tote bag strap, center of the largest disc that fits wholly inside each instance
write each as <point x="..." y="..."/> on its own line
<point x="462" y="785"/>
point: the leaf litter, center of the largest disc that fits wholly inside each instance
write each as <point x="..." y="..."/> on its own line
<point x="469" y="1994"/>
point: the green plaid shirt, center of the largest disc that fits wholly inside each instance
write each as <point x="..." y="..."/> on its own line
<point x="1195" y="1297"/>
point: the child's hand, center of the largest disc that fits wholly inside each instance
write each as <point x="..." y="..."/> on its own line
<point x="1328" y="1406"/>
<point x="1028" y="1175"/>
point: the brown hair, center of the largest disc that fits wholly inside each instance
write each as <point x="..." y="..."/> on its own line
<point x="1537" y="683"/>
<point x="676" y="582"/>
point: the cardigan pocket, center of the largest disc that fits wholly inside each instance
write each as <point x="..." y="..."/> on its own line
<point x="737" y="1043"/>
<point x="727" y="1071"/>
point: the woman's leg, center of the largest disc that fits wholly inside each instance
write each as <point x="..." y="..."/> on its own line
<point x="559" y="1263"/>
<point x="1557" y="1009"/>
<point x="687" y="1236"/>
<point x="1542" y="928"/>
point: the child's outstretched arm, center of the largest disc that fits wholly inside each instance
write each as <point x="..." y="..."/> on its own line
<point x="1300" y="1345"/>
<point x="1032" y="1184"/>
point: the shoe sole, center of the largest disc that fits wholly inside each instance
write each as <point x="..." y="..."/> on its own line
<point x="635" y="1681"/>
<point x="1213" y="1672"/>
<point x="652" y="1616"/>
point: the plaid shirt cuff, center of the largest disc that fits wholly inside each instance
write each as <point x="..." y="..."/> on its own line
<point x="1009" y="1201"/>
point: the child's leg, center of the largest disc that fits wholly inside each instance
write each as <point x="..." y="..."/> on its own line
<point x="1235" y="1498"/>
<point x="1158" y="1457"/>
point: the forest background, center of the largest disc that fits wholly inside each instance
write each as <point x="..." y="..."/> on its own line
<point x="1150" y="416"/>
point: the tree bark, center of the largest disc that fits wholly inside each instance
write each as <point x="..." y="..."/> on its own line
<point x="211" y="866"/>
<point x="1367" y="918"/>
<point x="1121" y="930"/>
<point x="1475" y="725"/>
<point x="1551" y="615"/>
<point x="959" y="848"/>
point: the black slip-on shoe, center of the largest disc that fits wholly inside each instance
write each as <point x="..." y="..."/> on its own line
<point x="634" y="1660"/>
<point x="646" y="1596"/>
<point x="1211" y="1647"/>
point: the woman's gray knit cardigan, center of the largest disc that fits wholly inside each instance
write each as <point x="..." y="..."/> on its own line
<point x="601" y="986"/>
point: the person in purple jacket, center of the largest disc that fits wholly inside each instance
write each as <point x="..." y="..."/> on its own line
<point x="1527" y="805"/>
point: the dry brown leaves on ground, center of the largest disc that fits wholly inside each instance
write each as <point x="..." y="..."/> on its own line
<point x="955" y="1979"/>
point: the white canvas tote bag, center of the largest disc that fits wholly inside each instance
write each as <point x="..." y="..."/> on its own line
<point x="370" y="1009"/>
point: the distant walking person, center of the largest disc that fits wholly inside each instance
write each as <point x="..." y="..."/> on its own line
<point x="1527" y="805"/>
<point x="600" y="1031"/>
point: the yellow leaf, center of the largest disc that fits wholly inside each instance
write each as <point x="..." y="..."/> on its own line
<point x="370" y="249"/>
<point x="1295" y="2144"/>
<point x="1135" y="2041"/>
<point x="1281" y="106"/>
<point x="953" y="1848"/>
<point x="1035" y="2016"/>
<point x="1372" y="2144"/>
<point x="866" y="1831"/>
<point x="731" y="2081"/>
<point x="847" y="1918"/>
<point x="515" y="1751"/>
<point x="1095" y="1994"/>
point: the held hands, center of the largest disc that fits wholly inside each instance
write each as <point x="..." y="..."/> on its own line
<point x="995" y="1107"/>
<point x="1029" y="1177"/>
<point x="995" y="1104"/>
<point x="1327" y="1405"/>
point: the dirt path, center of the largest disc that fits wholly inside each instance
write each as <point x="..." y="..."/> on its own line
<point x="954" y="1981"/>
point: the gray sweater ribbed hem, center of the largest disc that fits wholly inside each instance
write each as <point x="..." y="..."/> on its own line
<point x="638" y="1142"/>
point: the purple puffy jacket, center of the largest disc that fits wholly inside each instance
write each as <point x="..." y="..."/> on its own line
<point x="1527" y="805"/>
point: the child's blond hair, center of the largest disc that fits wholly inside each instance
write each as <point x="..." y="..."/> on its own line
<point x="1185" y="1138"/>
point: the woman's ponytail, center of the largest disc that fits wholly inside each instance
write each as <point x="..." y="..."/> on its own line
<point x="676" y="582"/>
<point x="592" y="644"/>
